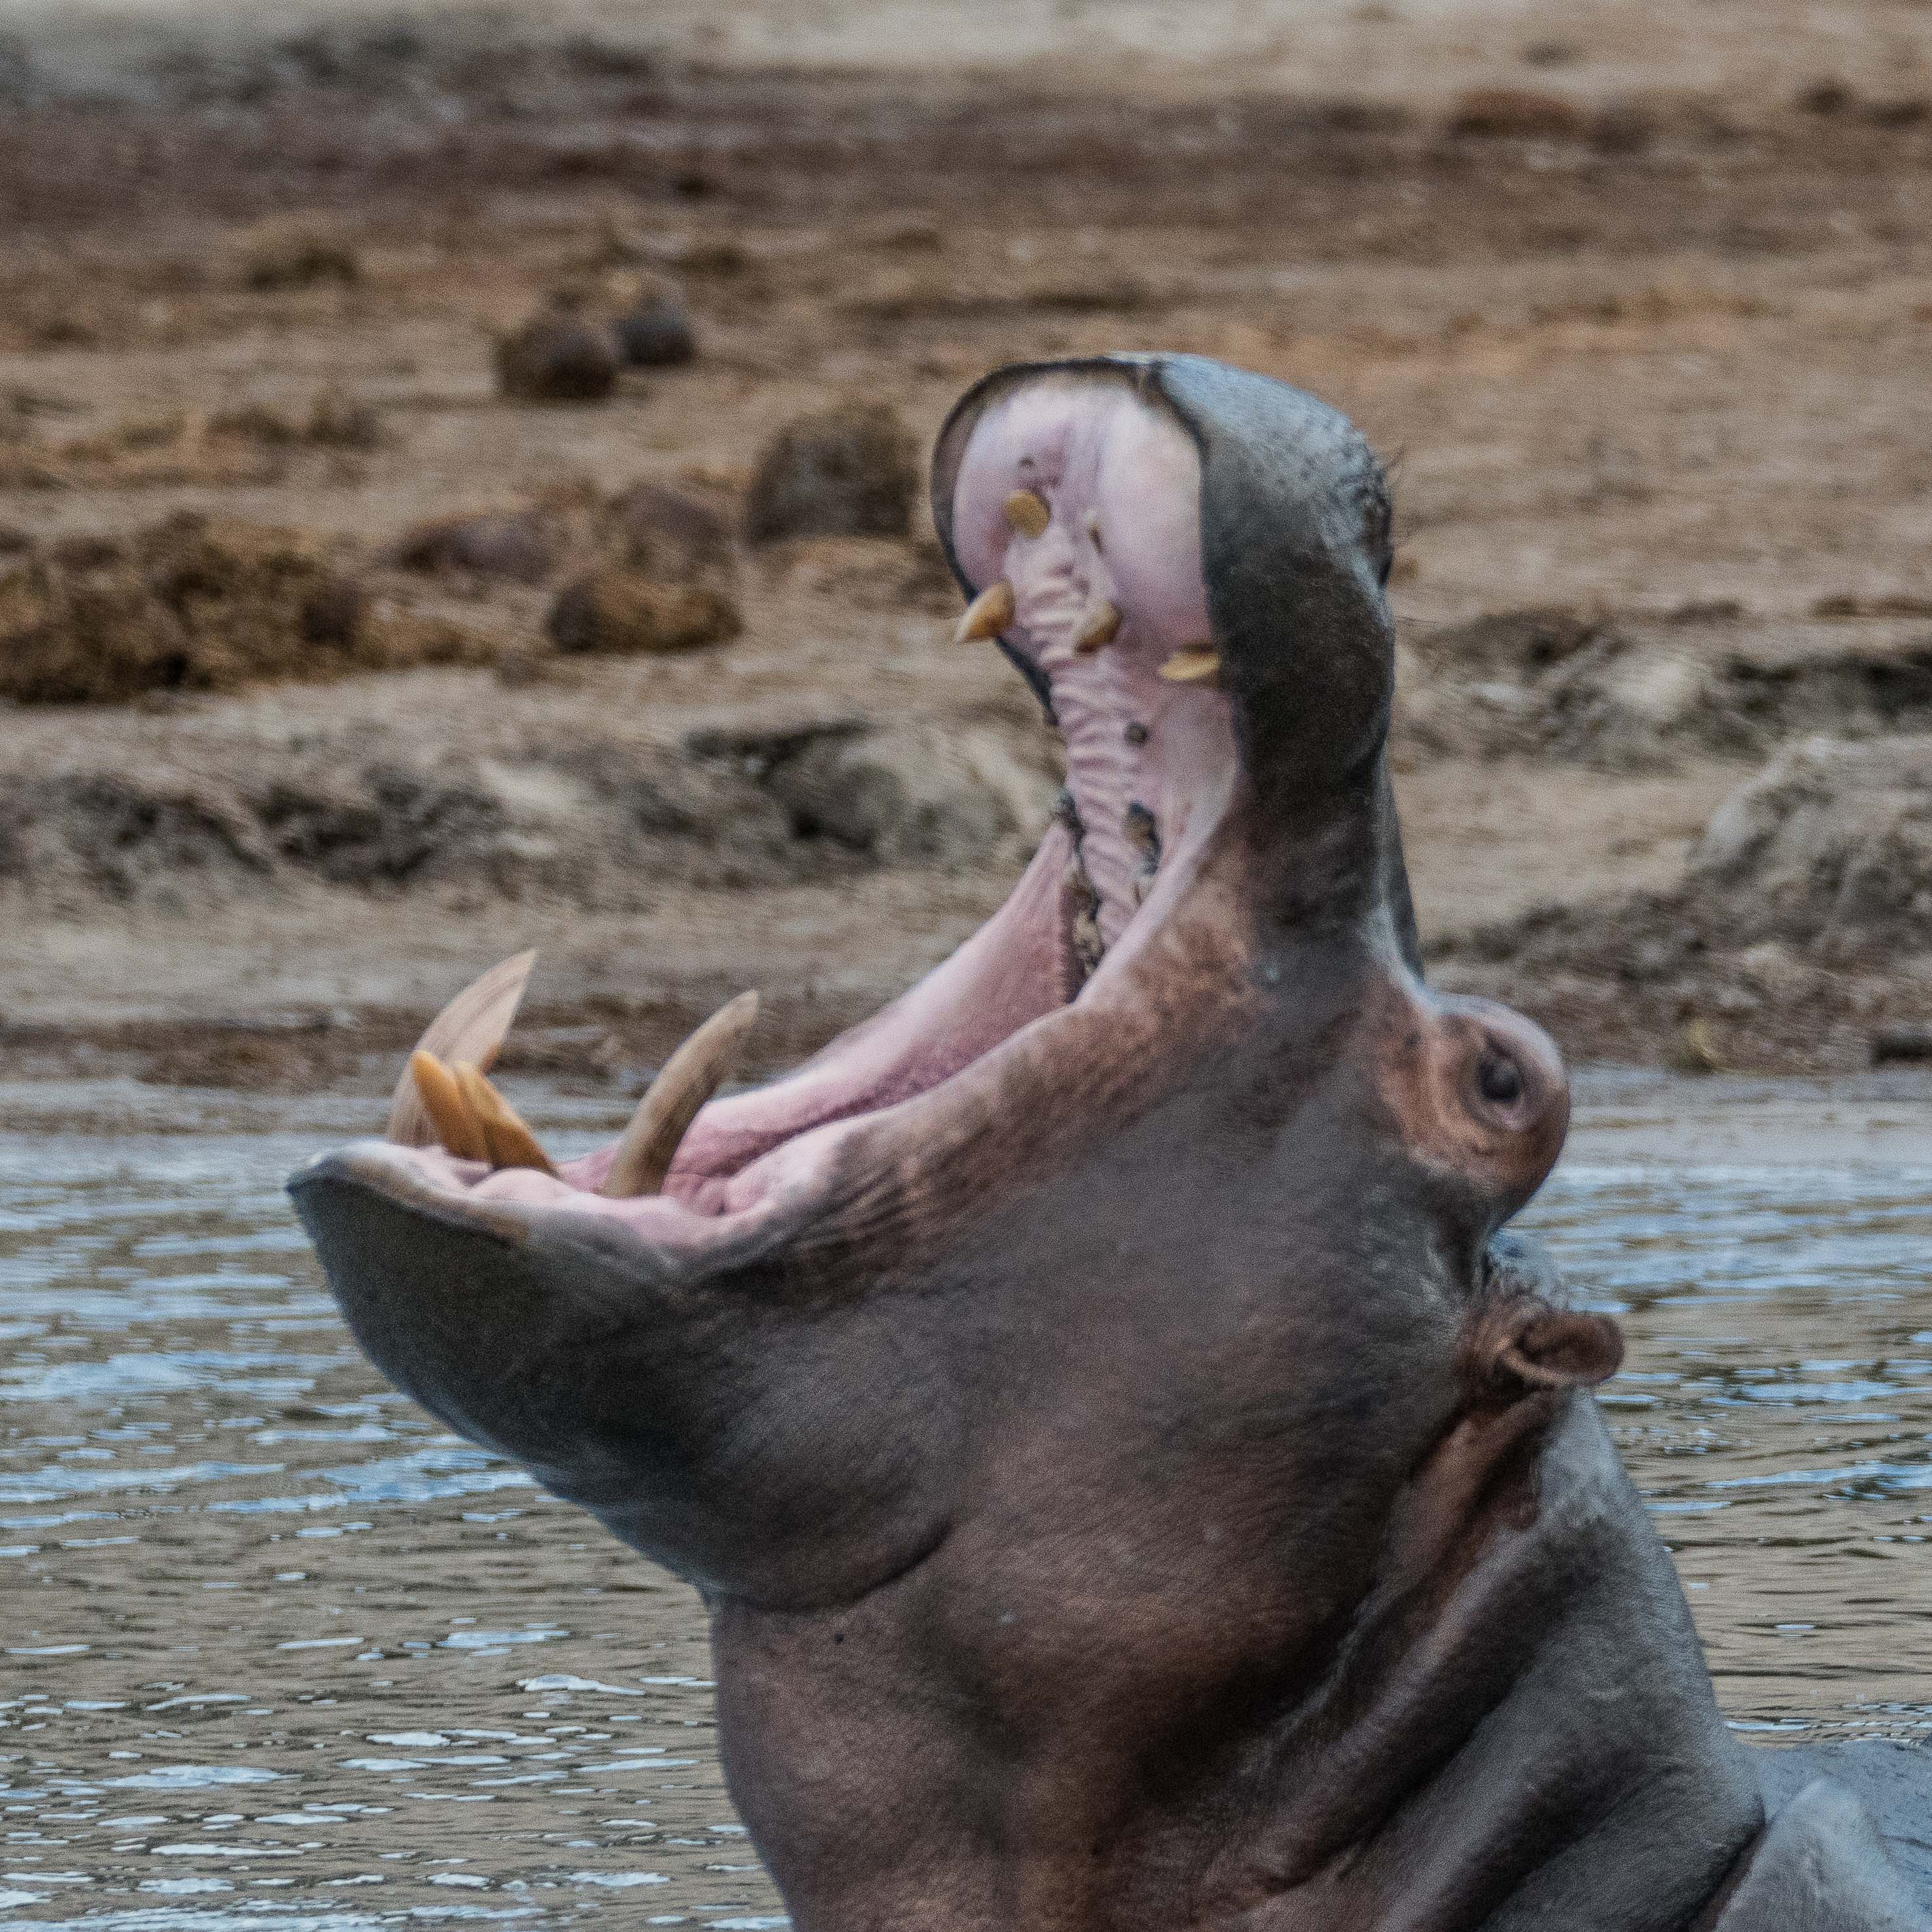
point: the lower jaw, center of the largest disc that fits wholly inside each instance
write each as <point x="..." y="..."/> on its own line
<point x="748" y="1155"/>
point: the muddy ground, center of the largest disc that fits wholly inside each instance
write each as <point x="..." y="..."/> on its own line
<point x="1645" y="341"/>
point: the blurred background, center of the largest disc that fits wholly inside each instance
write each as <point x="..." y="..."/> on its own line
<point x="461" y="488"/>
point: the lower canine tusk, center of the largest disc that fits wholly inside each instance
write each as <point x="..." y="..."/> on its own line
<point x="507" y="1141"/>
<point x="471" y="1028"/>
<point x="988" y="615"/>
<point x="1198" y="664"/>
<point x="688" y="1078"/>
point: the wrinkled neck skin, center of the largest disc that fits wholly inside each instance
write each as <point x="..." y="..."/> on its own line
<point x="1512" y="1727"/>
<point x="1135" y="1483"/>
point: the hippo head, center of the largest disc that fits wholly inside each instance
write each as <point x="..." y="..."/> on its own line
<point x="1033" y="1381"/>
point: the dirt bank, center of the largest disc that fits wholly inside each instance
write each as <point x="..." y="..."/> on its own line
<point x="1642" y="332"/>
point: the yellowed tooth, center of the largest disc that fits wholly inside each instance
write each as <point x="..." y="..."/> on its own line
<point x="1101" y="626"/>
<point x="1196" y="664"/>
<point x="686" y="1080"/>
<point x="988" y="615"/>
<point x="507" y="1141"/>
<point x="448" y="1113"/>
<point x="471" y="1028"/>
<point x="1027" y="513"/>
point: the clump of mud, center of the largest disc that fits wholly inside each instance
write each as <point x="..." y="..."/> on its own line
<point x="664" y="578"/>
<point x="1515" y="114"/>
<point x="848" y="472"/>
<point x="510" y="546"/>
<point x="666" y="536"/>
<point x="616" y="611"/>
<point x="558" y="356"/>
<point x="250" y="443"/>
<point x="194" y="604"/>
<point x="334" y="420"/>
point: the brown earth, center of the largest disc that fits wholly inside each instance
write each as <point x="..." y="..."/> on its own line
<point x="1646" y="350"/>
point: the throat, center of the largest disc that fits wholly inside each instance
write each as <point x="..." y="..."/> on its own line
<point x="1521" y="1705"/>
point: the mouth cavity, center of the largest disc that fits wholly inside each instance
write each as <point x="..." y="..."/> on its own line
<point x="1071" y="503"/>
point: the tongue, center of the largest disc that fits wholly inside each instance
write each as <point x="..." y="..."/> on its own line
<point x="1017" y="966"/>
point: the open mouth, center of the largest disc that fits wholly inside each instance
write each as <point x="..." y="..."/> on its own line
<point x="1070" y="501"/>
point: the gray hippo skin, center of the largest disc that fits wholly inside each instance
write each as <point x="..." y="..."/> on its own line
<point x="1135" y="1482"/>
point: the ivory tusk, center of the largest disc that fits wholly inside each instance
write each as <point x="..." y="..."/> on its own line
<point x="507" y="1141"/>
<point x="1027" y="513"/>
<point x="988" y="615"/>
<point x="449" y="1116"/>
<point x="687" y="1080"/>
<point x="1198" y="664"/>
<point x="471" y="1028"/>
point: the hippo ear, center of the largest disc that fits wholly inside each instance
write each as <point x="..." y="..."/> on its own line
<point x="1523" y="1344"/>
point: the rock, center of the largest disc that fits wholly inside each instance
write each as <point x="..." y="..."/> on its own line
<point x="514" y="546"/>
<point x="1829" y="848"/>
<point x="850" y="471"/>
<point x="655" y="335"/>
<point x="618" y="612"/>
<point x="557" y="357"/>
<point x="1776" y="972"/>
<point x="1646" y="692"/>
<point x="117" y="837"/>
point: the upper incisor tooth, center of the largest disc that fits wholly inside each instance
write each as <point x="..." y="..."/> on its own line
<point x="1195" y="664"/>
<point x="1101" y="626"/>
<point x="471" y="1028"/>
<point x="988" y="615"/>
<point x="687" y="1080"/>
<point x="450" y="1119"/>
<point x="1027" y="512"/>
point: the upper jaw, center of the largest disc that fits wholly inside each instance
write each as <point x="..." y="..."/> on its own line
<point x="1185" y="561"/>
<point x="1111" y="479"/>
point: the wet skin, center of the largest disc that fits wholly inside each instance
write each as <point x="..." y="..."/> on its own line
<point x="1135" y="1480"/>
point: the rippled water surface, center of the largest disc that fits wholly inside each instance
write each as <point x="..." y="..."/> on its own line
<point x="277" y="1649"/>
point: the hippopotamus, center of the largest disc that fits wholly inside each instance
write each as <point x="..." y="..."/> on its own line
<point x="1135" y="1477"/>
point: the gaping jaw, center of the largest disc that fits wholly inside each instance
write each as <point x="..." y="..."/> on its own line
<point x="1071" y="503"/>
<point x="752" y="1334"/>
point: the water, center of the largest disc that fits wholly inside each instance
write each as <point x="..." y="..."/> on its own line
<point x="1768" y="1248"/>
<point x="277" y="1650"/>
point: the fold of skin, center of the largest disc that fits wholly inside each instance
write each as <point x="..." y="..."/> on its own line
<point x="1135" y="1482"/>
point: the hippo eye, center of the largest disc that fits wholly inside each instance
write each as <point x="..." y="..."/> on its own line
<point x="1499" y="1080"/>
